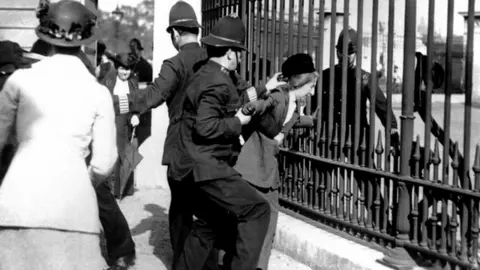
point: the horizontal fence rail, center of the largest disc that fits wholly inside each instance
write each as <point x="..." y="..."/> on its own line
<point x="368" y="169"/>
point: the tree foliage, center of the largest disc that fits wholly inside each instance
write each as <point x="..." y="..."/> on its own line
<point x="137" y="22"/>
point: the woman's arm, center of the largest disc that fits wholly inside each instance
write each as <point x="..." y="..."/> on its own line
<point x="9" y="98"/>
<point x="104" y="146"/>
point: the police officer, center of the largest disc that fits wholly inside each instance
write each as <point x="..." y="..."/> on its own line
<point x="169" y="87"/>
<point x="380" y="100"/>
<point x="366" y="81"/>
<point x="209" y="144"/>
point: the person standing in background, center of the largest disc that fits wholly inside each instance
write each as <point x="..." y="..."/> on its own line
<point x="142" y="69"/>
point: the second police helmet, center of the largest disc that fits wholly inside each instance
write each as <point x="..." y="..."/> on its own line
<point x="228" y="32"/>
<point x="182" y="15"/>
<point x="352" y="41"/>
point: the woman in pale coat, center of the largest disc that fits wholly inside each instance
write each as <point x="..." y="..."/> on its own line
<point x="48" y="207"/>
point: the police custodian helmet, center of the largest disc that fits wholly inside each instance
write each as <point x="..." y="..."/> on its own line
<point x="229" y="32"/>
<point x="352" y="41"/>
<point x="66" y="24"/>
<point x="182" y="15"/>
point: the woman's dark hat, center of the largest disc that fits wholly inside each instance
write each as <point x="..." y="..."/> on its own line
<point x="297" y="64"/>
<point x="182" y="15"/>
<point x="13" y="57"/>
<point x="126" y="60"/>
<point x="66" y="24"/>
<point x="229" y="32"/>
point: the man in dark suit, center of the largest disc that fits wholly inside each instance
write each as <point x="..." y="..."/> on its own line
<point x="366" y="82"/>
<point x="142" y="68"/>
<point x="208" y="145"/>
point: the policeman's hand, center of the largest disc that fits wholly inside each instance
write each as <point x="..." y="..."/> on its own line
<point x="274" y="82"/>
<point x="279" y="138"/>
<point x="134" y="121"/>
<point x="249" y="109"/>
<point x="244" y="119"/>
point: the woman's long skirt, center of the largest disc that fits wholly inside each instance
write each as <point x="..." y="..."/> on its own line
<point x="48" y="249"/>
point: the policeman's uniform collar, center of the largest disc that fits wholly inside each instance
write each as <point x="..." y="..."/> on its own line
<point x="190" y="46"/>
<point x="216" y="65"/>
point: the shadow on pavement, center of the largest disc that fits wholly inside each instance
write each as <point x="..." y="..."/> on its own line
<point x="159" y="238"/>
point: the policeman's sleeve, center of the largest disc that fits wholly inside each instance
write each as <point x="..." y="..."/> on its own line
<point x="104" y="146"/>
<point x="160" y="90"/>
<point x="247" y="92"/>
<point x="381" y="108"/>
<point x="210" y="121"/>
<point x="9" y="99"/>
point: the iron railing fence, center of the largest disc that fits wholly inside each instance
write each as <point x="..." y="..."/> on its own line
<point x="418" y="199"/>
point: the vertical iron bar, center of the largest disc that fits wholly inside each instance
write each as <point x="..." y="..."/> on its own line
<point x="387" y="182"/>
<point x="467" y="125"/>
<point x="258" y="41"/>
<point x="373" y="91"/>
<point x="274" y="64"/>
<point x="356" y="127"/>
<point x="373" y="85"/>
<point x="291" y="13"/>
<point x="391" y="32"/>
<point x="446" y="120"/>
<point x="428" y="115"/>
<point x="251" y="37"/>
<point x="343" y="130"/>
<point x="243" y="14"/>
<point x="436" y="179"/>
<point x="358" y="85"/>
<point x="399" y="256"/>
<point x="281" y="50"/>
<point x="311" y="6"/>
<point x="310" y="38"/>
<point x="331" y="93"/>
<point x="301" y="8"/>
<point x="346" y="40"/>
<point x="266" y="10"/>
<point x="320" y="176"/>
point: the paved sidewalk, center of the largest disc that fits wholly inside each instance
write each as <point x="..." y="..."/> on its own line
<point x="147" y="215"/>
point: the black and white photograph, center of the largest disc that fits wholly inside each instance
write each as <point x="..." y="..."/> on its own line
<point x="239" y="134"/>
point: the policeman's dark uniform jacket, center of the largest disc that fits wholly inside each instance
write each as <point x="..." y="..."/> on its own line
<point x="169" y="87"/>
<point x="380" y="99"/>
<point x="210" y="135"/>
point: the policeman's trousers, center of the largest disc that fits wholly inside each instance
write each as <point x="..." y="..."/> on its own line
<point x="180" y="214"/>
<point x="238" y="200"/>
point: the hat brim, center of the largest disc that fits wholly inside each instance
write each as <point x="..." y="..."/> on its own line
<point x="185" y="24"/>
<point x="216" y="42"/>
<point x="63" y="43"/>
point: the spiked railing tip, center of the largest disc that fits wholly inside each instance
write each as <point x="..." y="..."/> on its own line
<point x="476" y="163"/>
<point x="379" y="149"/>
<point x="436" y="153"/>
<point x="416" y="151"/>
<point x="455" y="160"/>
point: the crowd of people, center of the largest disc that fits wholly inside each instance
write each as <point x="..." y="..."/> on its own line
<point x="65" y="126"/>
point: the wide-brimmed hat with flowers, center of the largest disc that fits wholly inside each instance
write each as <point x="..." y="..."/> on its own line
<point x="66" y="24"/>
